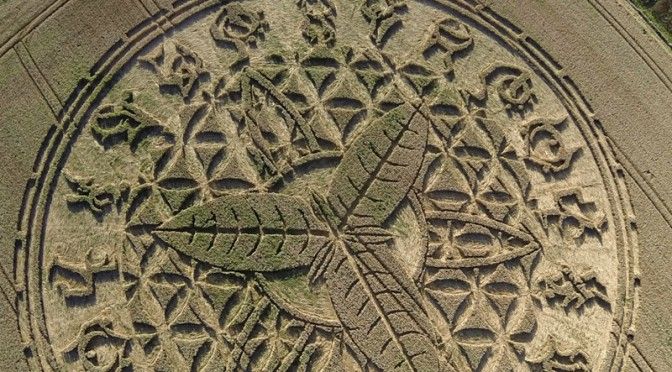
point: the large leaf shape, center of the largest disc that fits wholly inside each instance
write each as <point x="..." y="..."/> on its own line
<point x="379" y="168"/>
<point x="477" y="241"/>
<point x="380" y="308"/>
<point x="248" y="232"/>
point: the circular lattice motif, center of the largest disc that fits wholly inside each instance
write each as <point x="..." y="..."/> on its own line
<point x="328" y="185"/>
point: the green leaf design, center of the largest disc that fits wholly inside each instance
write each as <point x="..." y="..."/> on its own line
<point x="378" y="305"/>
<point x="287" y="104"/>
<point x="380" y="308"/>
<point x="379" y="168"/>
<point x="248" y="232"/>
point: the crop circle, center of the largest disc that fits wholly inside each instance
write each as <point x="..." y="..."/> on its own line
<point x="317" y="185"/>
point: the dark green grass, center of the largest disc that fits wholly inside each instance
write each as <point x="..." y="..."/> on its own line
<point x="661" y="21"/>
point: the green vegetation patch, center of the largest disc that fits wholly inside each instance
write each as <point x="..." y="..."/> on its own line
<point x="659" y="14"/>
